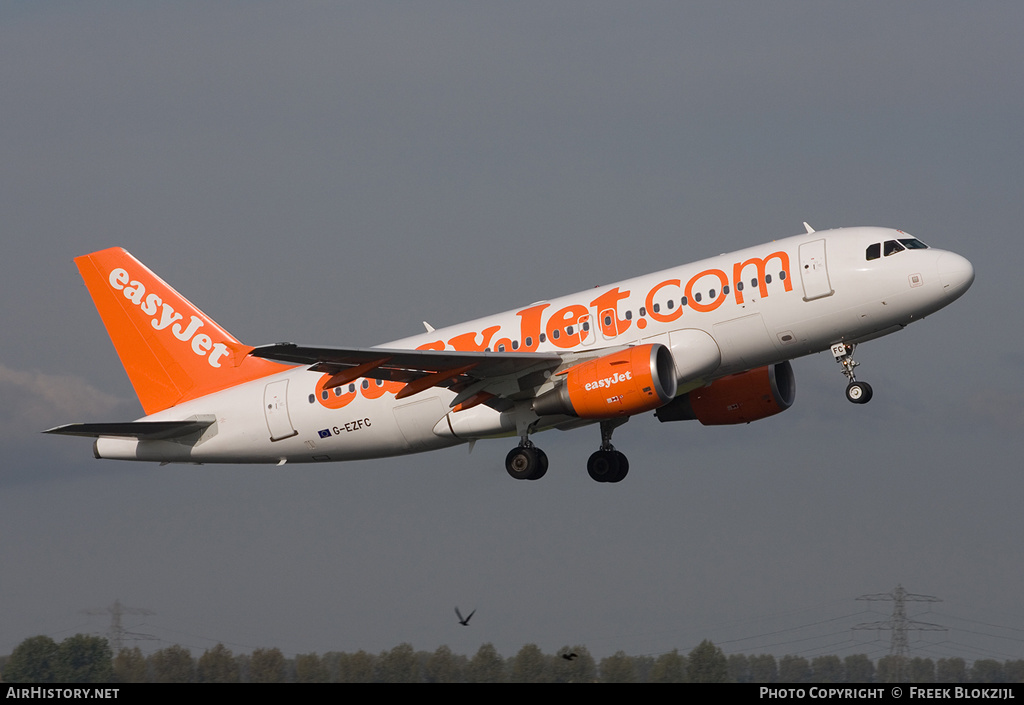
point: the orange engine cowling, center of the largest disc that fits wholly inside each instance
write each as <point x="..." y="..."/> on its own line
<point x="740" y="398"/>
<point x="624" y="383"/>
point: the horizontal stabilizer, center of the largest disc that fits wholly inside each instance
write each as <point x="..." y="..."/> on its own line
<point x="140" y="430"/>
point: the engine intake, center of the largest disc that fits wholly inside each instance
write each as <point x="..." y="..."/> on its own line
<point x="624" y="383"/>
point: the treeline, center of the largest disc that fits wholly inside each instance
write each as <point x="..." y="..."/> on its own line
<point x="88" y="659"/>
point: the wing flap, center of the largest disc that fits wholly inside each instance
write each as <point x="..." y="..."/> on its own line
<point x="408" y="366"/>
<point x="417" y="369"/>
<point x="485" y="364"/>
<point x="504" y="376"/>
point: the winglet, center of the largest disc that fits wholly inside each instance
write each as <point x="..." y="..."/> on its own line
<point x="170" y="349"/>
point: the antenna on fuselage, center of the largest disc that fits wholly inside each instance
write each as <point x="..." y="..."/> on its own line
<point x="808" y="228"/>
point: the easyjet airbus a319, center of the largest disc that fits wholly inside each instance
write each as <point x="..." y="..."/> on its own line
<point x="709" y="341"/>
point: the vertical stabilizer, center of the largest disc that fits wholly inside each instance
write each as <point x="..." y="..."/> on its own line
<point x="170" y="349"/>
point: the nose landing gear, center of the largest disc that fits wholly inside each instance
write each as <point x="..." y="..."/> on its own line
<point x="856" y="392"/>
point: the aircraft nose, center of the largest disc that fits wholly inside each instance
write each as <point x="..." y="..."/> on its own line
<point x="956" y="274"/>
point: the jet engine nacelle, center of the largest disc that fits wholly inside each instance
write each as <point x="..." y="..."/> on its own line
<point x="740" y="398"/>
<point x="624" y="383"/>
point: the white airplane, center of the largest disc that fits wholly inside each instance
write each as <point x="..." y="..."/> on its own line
<point x="709" y="341"/>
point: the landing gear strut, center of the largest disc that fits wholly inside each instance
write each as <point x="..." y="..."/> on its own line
<point x="608" y="464"/>
<point x="527" y="462"/>
<point x="857" y="392"/>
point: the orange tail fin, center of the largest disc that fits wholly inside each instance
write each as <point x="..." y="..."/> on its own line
<point x="170" y="349"/>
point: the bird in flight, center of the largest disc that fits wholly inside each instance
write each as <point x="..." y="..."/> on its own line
<point x="570" y="656"/>
<point x="464" y="621"/>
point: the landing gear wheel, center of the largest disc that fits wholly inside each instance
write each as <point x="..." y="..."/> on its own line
<point x="526" y="463"/>
<point x="607" y="466"/>
<point x="859" y="392"/>
<point x="602" y="465"/>
<point x="856" y="392"/>
<point x="542" y="464"/>
<point x="623" y="466"/>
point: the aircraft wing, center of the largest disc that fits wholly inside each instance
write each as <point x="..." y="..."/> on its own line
<point x="141" y="430"/>
<point x="477" y="377"/>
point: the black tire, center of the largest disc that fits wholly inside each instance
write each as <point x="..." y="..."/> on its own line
<point x="623" y="463"/>
<point x="526" y="463"/>
<point x="542" y="465"/>
<point x="521" y="463"/>
<point x="859" y="392"/>
<point x="604" y="466"/>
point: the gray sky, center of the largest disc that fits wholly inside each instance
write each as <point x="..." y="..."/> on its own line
<point x="336" y="173"/>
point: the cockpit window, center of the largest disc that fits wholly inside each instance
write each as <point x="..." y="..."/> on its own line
<point x="913" y="244"/>
<point x="892" y="247"/>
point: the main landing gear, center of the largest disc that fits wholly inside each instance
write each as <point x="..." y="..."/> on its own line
<point x="608" y="464"/>
<point x="856" y="392"/>
<point x="528" y="462"/>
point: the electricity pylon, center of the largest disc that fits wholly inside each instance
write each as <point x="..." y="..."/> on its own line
<point x="899" y="624"/>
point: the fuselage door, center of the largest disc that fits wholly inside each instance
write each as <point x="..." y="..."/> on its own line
<point x="275" y="404"/>
<point x="813" y="270"/>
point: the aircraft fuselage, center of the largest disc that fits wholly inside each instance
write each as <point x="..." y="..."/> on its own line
<point x="720" y="316"/>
